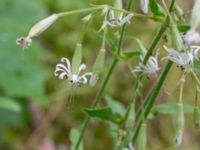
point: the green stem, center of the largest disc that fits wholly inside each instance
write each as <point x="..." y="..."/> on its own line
<point x="195" y="78"/>
<point x="80" y="11"/>
<point x="105" y="82"/>
<point x="149" y="101"/>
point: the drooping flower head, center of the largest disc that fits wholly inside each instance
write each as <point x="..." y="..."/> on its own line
<point x="151" y="67"/>
<point x="116" y="20"/>
<point x="183" y="59"/>
<point x="65" y="71"/>
<point x="192" y="37"/>
<point x="36" y="30"/>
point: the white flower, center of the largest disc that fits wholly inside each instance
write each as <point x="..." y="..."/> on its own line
<point x="151" y="67"/>
<point x="114" y="21"/>
<point x="36" y="30"/>
<point x="182" y="59"/>
<point x="144" y="4"/>
<point x="192" y="37"/>
<point x="65" y="70"/>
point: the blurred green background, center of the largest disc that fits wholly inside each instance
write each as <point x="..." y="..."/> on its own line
<point x="35" y="108"/>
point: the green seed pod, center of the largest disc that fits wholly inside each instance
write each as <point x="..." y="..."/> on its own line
<point x="142" y="137"/>
<point x="98" y="67"/>
<point x="77" y="58"/>
<point x="196" y="116"/>
<point x="131" y="117"/>
<point x="179" y="13"/>
<point x="180" y="122"/>
<point x="177" y="41"/>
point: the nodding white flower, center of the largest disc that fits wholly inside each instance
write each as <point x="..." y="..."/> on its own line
<point x="36" y="30"/>
<point x="114" y="21"/>
<point x="151" y="66"/>
<point x="65" y="70"/>
<point x="183" y="59"/>
<point x="192" y="37"/>
<point x="178" y="138"/>
<point x="144" y="4"/>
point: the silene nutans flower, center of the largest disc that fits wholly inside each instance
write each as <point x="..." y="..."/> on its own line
<point x="151" y="67"/>
<point x="192" y="37"/>
<point x="36" y="30"/>
<point x="114" y="20"/>
<point x="185" y="59"/>
<point x="130" y="147"/>
<point x="65" y="70"/>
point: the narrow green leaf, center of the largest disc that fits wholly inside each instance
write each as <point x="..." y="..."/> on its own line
<point x="170" y="108"/>
<point x="105" y="113"/>
<point x="183" y="28"/>
<point x="156" y="8"/>
<point x="115" y="105"/>
<point x="9" y="104"/>
<point x="140" y="45"/>
<point x="127" y="55"/>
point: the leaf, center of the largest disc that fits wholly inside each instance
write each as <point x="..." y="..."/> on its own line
<point x="9" y="104"/>
<point x="130" y="54"/>
<point x="183" y="28"/>
<point x="140" y="45"/>
<point x="74" y="135"/>
<point x="115" y="105"/>
<point x="170" y="108"/>
<point x="22" y="75"/>
<point x="105" y="113"/>
<point x="156" y="8"/>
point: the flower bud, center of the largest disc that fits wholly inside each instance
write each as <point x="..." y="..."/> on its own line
<point x="177" y="41"/>
<point x="118" y="4"/>
<point x="36" y="30"/>
<point x="195" y="18"/>
<point x="98" y="67"/>
<point x="77" y="58"/>
<point x="144" y="4"/>
<point x="131" y="117"/>
<point x="42" y="25"/>
<point x="196" y="116"/>
<point x="180" y="122"/>
<point x="142" y="138"/>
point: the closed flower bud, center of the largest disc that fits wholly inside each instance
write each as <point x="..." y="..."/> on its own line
<point x="131" y="117"/>
<point x="180" y="122"/>
<point x="196" y="117"/>
<point x="98" y="67"/>
<point x="142" y="138"/>
<point x="36" y="30"/>
<point x="77" y="58"/>
<point x="177" y="41"/>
